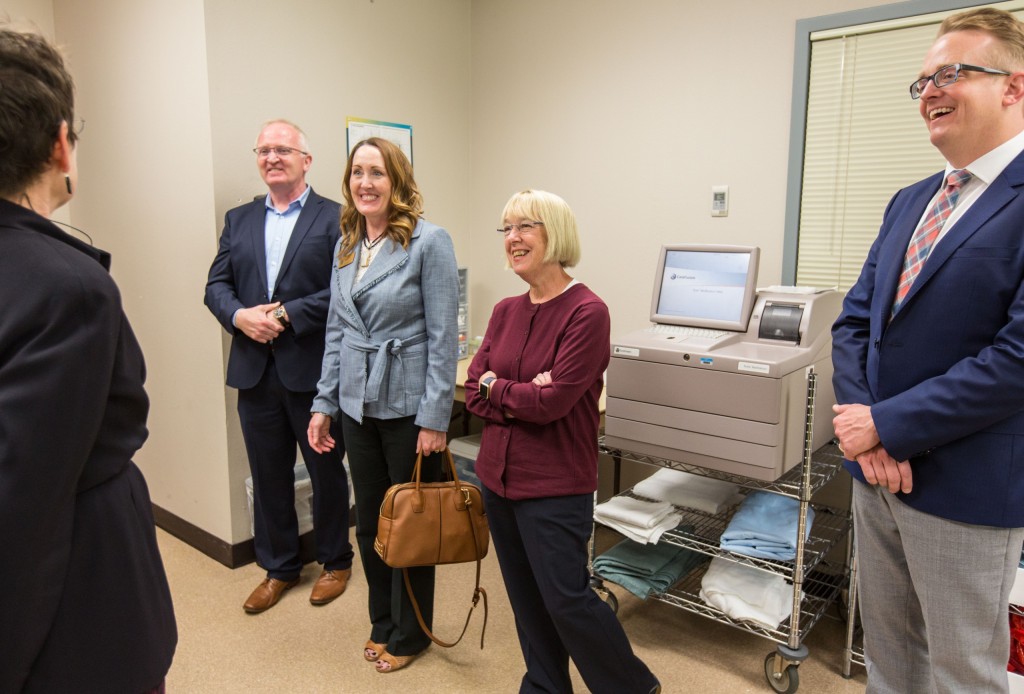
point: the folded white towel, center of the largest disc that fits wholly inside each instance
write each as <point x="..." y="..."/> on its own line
<point x="747" y="594"/>
<point x="637" y="512"/>
<point x="640" y="521"/>
<point x="642" y="535"/>
<point x="691" y="491"/>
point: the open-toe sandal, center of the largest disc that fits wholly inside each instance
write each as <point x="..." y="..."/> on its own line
<point x="394" y="662"/>
<point x="376" y="648"/>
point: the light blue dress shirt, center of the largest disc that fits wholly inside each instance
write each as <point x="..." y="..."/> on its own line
<point x="278" y="231"/>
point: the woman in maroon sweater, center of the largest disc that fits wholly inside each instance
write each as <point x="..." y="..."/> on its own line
<point x="535" y="382"/>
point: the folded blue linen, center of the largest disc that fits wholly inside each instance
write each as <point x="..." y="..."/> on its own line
<point x="765" y="526"/>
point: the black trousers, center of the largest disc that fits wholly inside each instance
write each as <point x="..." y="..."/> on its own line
<point x="275" y="419"/>
<point x="542" y="550"/>
<point x="382" y="452"/>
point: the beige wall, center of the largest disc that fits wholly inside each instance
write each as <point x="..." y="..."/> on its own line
<point x="315" y="65"/>
<point x="35" y="13"/>
<point x="629" y="111"/>
<point x="174" y="94"/>
<point x="632" y="112"/>
<point x="146" y="195"/>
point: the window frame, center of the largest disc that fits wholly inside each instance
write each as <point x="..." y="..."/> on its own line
<point x="801" y="81"/>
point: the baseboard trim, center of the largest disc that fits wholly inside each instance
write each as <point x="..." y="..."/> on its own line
<point x="231" y="556"/>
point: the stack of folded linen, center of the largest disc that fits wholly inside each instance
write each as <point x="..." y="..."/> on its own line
<point x="642" y="521"/>
<point x="646" y="569"/>
<point x="747" y="594"/>
<point x="691" y="491"/>
<point x="765" y="526"/>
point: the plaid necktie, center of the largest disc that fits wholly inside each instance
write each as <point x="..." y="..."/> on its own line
<point x="924" y="238"/>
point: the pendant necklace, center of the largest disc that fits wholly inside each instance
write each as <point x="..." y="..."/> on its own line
<point x="369" y="247"/>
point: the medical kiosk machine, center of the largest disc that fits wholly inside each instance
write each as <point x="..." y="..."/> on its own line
<point x="720" y="380"/>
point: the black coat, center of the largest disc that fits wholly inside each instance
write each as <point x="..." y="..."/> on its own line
<point x="84" y="601"/>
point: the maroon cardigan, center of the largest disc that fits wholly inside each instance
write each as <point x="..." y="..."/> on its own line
<point x="541" y="441"/>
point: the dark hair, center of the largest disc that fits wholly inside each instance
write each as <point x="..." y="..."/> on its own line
<point x="406" y="204"/>
<point x="36" y="96"/>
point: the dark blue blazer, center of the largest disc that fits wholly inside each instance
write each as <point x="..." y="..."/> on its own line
<point x="945" y="379"/>
<point x="85" y="605"/>
<point x="238" y="279"/>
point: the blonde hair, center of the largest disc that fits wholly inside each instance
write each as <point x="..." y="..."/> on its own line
<point x="303" y="142"/>
<point x="1003" y="26"/>
<point x="563" y="238"/>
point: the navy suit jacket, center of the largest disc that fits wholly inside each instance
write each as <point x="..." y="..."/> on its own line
<point x="85" y="605"/>
<point x="238" y="279"/>
<point x="945" y="379"/>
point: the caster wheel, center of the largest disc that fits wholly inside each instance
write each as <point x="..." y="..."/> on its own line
<point x="785" y="682"/>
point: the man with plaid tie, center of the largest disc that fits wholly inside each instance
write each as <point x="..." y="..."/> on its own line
<point x="929" y="376"/>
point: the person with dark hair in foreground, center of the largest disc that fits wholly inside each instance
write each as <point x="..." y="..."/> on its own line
<point x="85" y="605"/>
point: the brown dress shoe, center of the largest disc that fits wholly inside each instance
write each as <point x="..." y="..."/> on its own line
<point x="330" y="585"/>
<point x="267" y="594"/>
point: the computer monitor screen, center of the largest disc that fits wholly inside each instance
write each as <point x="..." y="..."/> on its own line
<point x="705" y="286"/>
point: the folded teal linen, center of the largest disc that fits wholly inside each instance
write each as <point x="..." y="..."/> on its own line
<point x="643" y="569"/>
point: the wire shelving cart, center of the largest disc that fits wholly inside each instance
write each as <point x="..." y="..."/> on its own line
<point x="817" y="581"/>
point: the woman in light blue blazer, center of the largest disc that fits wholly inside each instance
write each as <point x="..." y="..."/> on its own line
<point x="389" y="370"/>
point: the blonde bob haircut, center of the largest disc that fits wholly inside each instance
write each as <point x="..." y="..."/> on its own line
<point x="563" y="237"/>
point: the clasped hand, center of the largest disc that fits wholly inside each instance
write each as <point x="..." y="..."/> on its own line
<point x="858" y="441"/>
<point x="257" y="323"/>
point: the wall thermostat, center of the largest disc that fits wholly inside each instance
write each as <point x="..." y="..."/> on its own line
<point x="719" y="201"/>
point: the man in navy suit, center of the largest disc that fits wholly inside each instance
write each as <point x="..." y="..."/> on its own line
<point x="269" y="287"/>
<point x="929" y="374"/>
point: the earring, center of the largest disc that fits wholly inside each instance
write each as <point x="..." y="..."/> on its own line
<point x="67" y="182"/>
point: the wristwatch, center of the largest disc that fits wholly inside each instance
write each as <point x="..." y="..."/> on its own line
<point x="485" y="387"/>
<point x="281" y="315"/>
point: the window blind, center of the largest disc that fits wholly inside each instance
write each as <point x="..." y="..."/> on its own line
<point x="864" y="140"/>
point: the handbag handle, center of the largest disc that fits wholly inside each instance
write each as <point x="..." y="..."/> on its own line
<point x="417" y="503"/>
<point x="478" y="591"/>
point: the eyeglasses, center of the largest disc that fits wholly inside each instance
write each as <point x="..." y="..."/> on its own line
<point x="74" y="129"/>
<point x="524" y="228"/>
<point x="264" y="152"/>
<point x="947" y="75"/>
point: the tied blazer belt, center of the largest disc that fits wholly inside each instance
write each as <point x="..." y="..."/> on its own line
<point x="387" y="352"/>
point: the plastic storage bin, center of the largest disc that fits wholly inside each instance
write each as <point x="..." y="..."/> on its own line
<point x="464" y="450"/>
<point x="303" y="500"/>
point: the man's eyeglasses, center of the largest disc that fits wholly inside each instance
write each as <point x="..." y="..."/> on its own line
<point x="524" y="228"/>
<point x="947" y="75"/>
<point x="264" y="152"/>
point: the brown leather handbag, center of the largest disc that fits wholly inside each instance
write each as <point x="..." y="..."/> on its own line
<point x="432" y="523"/>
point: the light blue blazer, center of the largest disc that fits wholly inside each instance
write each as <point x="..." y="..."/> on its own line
<point x="392" y="339"/>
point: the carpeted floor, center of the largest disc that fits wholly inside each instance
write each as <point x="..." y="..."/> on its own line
<point x="296" y="647"/>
